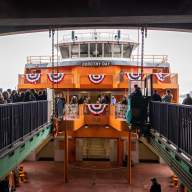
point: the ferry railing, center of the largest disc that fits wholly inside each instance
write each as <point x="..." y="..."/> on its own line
<point x="20" y="119"/>
<point x="155" y="59"/>
<point x="174" y="122"/>
<point x="44" y="82"/>
<point x="96" y="36"/>
<point x="42" y="59"/>
<point x="172" y="79"/>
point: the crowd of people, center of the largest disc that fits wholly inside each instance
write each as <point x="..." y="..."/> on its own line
<point x="168" y="97"/>
<point x="14" y="96"/>
<point x="101" y="99"/>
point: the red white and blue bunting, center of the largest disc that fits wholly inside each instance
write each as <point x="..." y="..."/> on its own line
<point x="96" y="109"/>
<point x="55" y="77"/>
<point x="96" y="79"/>
<point x="161" y="76"/>
<point x="134" y="76"/>
<point x="33" y="77"/>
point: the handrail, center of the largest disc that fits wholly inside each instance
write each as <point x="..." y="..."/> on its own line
<point x="174" y="122"/>
<point x="43" y="59"/>
<point x="19" y="119"/>
<point x="153" y="58"/>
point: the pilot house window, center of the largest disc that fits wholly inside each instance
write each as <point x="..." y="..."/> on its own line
<point x="83" y="50"/>
<point x="117" y="50"/>
<point x="75" y="51"/>
<point x="107" y="50"/>
<point x="64" y="51"/>
<point x="93" y="50"/>
<point x="127" y="51"/>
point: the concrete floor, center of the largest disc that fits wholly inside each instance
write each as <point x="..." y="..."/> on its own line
<point x="94" y="177"/>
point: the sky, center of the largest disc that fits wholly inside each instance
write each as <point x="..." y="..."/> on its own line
<point x="14" y="50"/>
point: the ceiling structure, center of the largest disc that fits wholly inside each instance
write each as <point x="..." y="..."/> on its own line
<point x="34" y="15"/>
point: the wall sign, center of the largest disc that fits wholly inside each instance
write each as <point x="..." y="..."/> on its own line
<point x="95" y="63"/>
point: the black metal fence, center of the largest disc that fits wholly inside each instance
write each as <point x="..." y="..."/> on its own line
<point x="174" y="122"/>
<point x="19" y="119"/>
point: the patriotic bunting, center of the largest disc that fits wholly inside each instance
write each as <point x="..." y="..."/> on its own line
<point x="96" y="109"/>
<point x="96" y="79"/>
<point x="161" y="76"/>
<point x="33" y="77"/>
<point x="134" y="76"/>
<point x="55" y="77"/>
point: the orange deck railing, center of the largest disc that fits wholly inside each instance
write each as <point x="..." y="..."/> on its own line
<point x="75" y="116"/>
<point x="44" y="82"/>
<point x="91" y="119"/>
<point x="82" y="82"/>
<point x="170" y="82"/>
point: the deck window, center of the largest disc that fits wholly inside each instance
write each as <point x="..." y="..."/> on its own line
<point x="93" y="50"/>
<point x="64" y="51"/>
<point x="99" y="49"/>
<point x="83" y="50"/>
<point x="117" y="50"/>
<point x="127" y="49"/>
<point x="74" y="51"/>
<point x="107" y="50"/>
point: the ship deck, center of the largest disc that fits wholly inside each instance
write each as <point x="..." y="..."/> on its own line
<point x="93" y="176"/>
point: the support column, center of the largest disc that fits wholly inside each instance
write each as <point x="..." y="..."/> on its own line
<point x="129" y="158"/>
<point x="119" y="152"/>
<point x="68" y="101"/>
<point x="65" y="156"/>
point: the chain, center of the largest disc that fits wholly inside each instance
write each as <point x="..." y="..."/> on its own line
<point x="51" y="35"/>
<point x="142" y="49"/>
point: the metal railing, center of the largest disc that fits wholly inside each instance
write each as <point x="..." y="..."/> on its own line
<point x="42" y="59"/>
<point x="97" y="35"/>
<point x="174" y="122"/>
<point x="155" y="59"/>
<point x="20" y="119"/>
<point x="151" y="58"/>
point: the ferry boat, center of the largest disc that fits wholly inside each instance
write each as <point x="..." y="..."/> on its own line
<point x="92" y="64"/>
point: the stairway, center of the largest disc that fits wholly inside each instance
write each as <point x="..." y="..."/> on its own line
<point x="94" y="149"/>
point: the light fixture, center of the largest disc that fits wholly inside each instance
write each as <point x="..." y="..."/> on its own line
<point x="106" y="127"/>
<point x="86" y="126"/>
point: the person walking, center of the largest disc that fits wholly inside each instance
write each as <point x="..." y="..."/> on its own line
<point x="187" y="100"/>
<point x="155" y="187"/>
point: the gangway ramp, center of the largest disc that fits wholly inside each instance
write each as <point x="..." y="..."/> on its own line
<point x="23" y="127"/>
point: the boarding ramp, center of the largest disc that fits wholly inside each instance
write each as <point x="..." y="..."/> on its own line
<point x="171" y="137"/>
<point x="23" y="127"/>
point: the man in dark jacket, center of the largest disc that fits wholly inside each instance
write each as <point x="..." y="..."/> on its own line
<point x="155" y="96"/>
<point x="155" y="187"/>
<point x="187" y="100"/>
